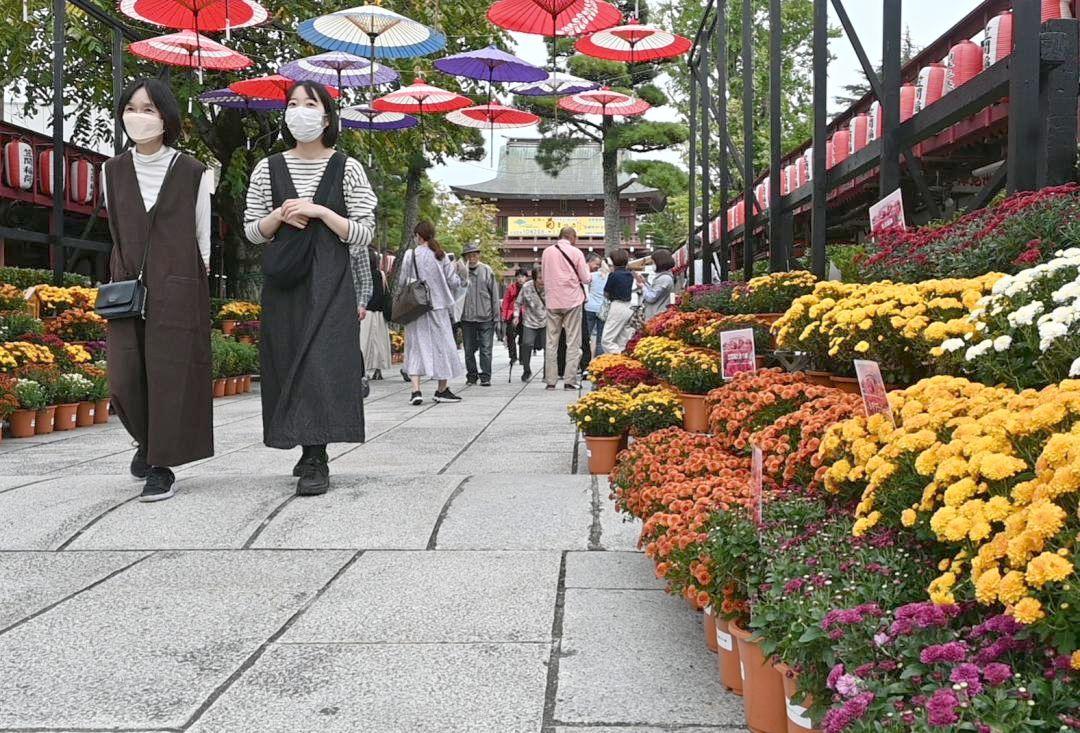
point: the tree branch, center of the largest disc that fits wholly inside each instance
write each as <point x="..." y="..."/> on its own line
<point x="629" y="182"/>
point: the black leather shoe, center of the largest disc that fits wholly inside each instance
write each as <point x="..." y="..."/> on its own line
<point x="139" y="467"/>
<point x="159" y="485"/>
<point x="314" y="476"/>
<point x="526" y="376"/>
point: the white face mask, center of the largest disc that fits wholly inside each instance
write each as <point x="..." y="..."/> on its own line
<point x="304" y="123"/>
<point x="143" y="127"/>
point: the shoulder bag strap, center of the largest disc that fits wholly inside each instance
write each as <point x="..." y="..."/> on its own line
<point x="333" y="176"/>
<point x="153" y="214"/>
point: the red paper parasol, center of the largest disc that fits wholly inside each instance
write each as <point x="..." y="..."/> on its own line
<point x="604" y="102"/>
<point x="197" y="15"/>
<point x="421" y="98"/>
<point x="191" y="50"/>
<point x="633" y="43"/>
<point x="270" y="87"/>
<point x="554" y="17"/>
<point x="493" y="116"/>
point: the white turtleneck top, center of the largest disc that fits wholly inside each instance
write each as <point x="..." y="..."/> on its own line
<point x="150" y="171"/>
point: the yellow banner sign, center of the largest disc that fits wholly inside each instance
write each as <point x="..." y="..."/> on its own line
<point x="549" y="226"/>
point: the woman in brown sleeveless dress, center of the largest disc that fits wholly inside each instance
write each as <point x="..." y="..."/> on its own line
<point x="159" y="365"/>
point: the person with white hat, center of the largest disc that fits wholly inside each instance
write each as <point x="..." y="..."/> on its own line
<point x="479" y="314"/>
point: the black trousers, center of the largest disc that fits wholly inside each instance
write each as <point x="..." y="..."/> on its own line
<point x="586" y="348"/>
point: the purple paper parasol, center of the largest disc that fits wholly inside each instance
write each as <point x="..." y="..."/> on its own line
<point x="555" y="85"/>
<point x="491" y="65"/>
<point x="366" y="118"/>
<point x="231" y="100"/>
<point x="338" y="69"/>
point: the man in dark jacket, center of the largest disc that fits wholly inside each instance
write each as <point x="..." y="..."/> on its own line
<point x="478" y="316"/>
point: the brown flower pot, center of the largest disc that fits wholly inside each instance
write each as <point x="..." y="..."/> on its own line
<point x="768" y="318"/>
<point x="22" y="423"/>
<point x="44" y="420"/>
<point x="798" y="720"/>
<point x="219" y="388"/>
<point x="245" y="340"/>
<point x="101" y="412"/>
<point x="763" y="687"/>
<point x="708" y="623"/>
<point x="847" y="384"/>
<point x="821" y="379"/>
<point x="695" y="416"/>
<point x="84" y="415"/>
<point x="65" y="417"/>
<point x="727" y="657"/>
<point x="760" y="361"/>
<point x="227" y="327"/>
<point x="230" y="387"/>
<point x="247" y="383"/>
<point x="601" y="453"/>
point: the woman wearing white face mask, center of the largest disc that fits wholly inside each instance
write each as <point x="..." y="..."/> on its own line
<point x="159" y="365"/>
<point x="313" y="211"/>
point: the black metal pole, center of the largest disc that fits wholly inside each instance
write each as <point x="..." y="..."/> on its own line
<point x="725" y="158"/>
<point x="693" y="166"/>
<point x="748" y="138"/>
<point x="1058" y="90"/>
<point x="117" y="87"/>
<point x="817" y="167"/>
<point x="890" y="104"/>
<point x="57" y="218"/>
<point x="778" y="247"/>
<point x="1024" y="120"/>
<point x="706" y="217"/>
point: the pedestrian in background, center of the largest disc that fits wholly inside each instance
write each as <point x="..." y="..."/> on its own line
<point x="430" y="350"/>
<point x="565" y="275"/>
<point x="531" y="315"/>
<point x="619" y="291"/>
<point x="509" y="309"/>
<point x="159" y="365"/>
<point x="594" y="326"/>
<point x="656" y="295"/>
<point x="479" y="314"/>
<point x="374" y="332"/>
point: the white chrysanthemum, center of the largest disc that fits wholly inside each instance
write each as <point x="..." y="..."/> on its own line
<point x="1067" y="292"/>
<point x="952" y="344"/>
<point x="1049" y="332"/>
<point x="978" y="350"/>
<point x="1025" y="315"/>
<point x="1074" y="370"/>
<point x="1001" y="343"/>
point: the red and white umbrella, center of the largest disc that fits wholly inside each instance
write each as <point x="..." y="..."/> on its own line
<point x="633" y="43"/>
<point x="421" y="98"/>
<point x="196" y="15"/>
<point x="275" y="87"/>
<point x="554" y="17"/>
<point x="190" y="50"/>
<point x="604" y="102"/>
<point x="492" y="116"/>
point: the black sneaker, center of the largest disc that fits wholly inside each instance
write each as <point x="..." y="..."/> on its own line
<point x="550" y="386"/>
<point x="376" y="376"/>
<point x="314" y="476"/>
<point x="574" y="387"/>
<point x="485" y="382"/>
<point x="446" y="396"/>
<point x="159" y="485"/>
<point x="404" y="374"/>
<point x="139" y="467"/>
<point x="417" y="398"/>
<point x="470" y="382"/>
<point x="526" y="376"/>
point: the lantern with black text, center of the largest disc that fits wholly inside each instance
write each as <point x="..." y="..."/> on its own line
<point x="965" y="63"/>
<point x="858" y="133"/>
<point x="19" y="165"/>
<point x="998" y="41"/>
<point x="930" y="87"/>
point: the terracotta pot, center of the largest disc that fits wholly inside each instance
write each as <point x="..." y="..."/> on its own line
<point x="798" y="720"/>
<point x="219" y="388"/>
<point x="230" y="386"/>
<point x="763" y="687"/>
<point x="847" y="384"/>
<point x="43" y="421"/>
<point x="727" y="657"/>
<point x="695" y="416"/>
<point x="821" y="379"/>
<point x="760" y="361"/>
<point x="246" y="340"/>
<point x="65" y="417"/>
<point x="227" y="327"/>
<point x="101" y="412"/>
<point x="601" y="453"/>
<point x="769" y="318"/>
<point x="708" y="623"/>
<point x="84" y="415"/>
<point x="22" y="423"/>
<point x="247" y="383"/>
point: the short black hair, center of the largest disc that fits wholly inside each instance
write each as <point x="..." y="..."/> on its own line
<point x="161" y="94"/>
<point x="663" y="260"/>
<point x="592" y="256"/>
<point x="315" y="91"/>
<point x="620" y="257"/>
<point x="521" y="271"/>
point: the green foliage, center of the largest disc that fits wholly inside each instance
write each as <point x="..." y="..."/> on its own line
<point x="659" y="174"/>
<point x="472" y="221"/>
<point x="17" y="323"/>
<point x="667" y="228"/>
<point x="25" y="277"/>
<point x="30" y="394"/>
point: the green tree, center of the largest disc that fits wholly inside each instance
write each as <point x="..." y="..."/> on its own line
<point x="666" y="228"/>
<point x="472" y="220"/>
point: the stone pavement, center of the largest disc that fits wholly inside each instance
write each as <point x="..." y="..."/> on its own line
<point x="460" y="576"/>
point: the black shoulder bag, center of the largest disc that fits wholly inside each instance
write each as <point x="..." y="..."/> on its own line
<point x="411" y="300"/>
<point x="127" y="298"/>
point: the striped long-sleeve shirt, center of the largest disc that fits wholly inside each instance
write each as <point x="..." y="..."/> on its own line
<point x="360" y="204"/>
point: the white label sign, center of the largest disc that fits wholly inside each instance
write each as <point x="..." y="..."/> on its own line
<point x="724" y="641"/>
<point x="797" y="715"/>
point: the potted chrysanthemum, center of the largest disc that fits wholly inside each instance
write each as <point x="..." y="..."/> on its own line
<point x="694" y="374"/>
<point x="602" y="417"/>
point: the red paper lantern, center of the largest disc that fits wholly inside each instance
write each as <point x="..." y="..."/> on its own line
<point x="998" y="41"/>
<point x="45" y="172"/>
<point x="81" y="189"/>
<point x="802" y="171"/>
<point x="859" y="133"/>
<point x="761" y="193"/>
<point x="930" y="87"/>
<point x="19" y="165"/>
<point x="1055" y="9"/>
<point x="787" y="179"/>
<point x="965" y="63"/>
<point x="839" y="147"/>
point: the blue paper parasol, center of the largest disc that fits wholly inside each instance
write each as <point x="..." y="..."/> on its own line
<point x="366" y="118"/>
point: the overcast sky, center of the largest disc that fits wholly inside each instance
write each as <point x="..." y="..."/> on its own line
<point x="927" y="20"/>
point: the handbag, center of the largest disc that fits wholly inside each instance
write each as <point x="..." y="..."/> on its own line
<point x="411" y="300"/>
<point x="127" y="298"/>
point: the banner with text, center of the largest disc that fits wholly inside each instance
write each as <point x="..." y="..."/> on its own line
<point x="737" y="352"/>
<point x="549" y="226"/>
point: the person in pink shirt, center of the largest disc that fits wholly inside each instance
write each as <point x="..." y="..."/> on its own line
<point x="565" y="275"/>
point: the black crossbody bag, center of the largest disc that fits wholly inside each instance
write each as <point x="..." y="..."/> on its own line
<point x="127" y="298"/>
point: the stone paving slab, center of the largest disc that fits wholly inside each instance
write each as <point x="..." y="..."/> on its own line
<point x="433" y="688"/>
<point x="44" y="515"/>
<point x="208" y="512"/>
<point x="480" y="459"/>
<point x="445" y="596"/>
<point x="32" y="581"/>
<point x="611" y="571"/>
<point x="519" y="512"/>
<point x="148" y="646"/>
<point x="365" y="511"/>
<point x="648" y="729"/>
<point x="635" y="656"/>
